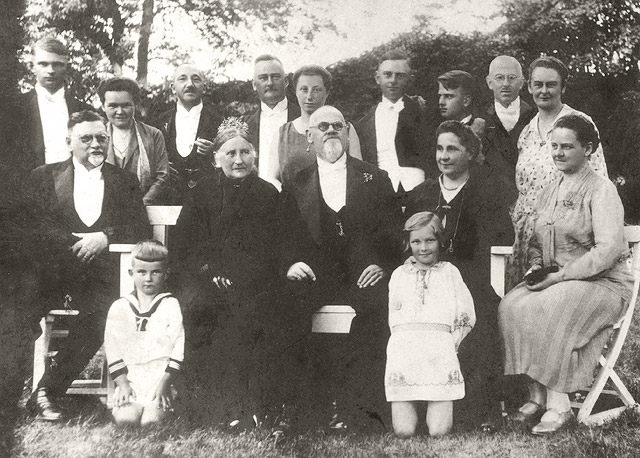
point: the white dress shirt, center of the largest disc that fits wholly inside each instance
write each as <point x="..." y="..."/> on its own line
<point x="333" y="182"/>
<point x="386" y="119"/>
<point x="270" y="122"/>
<point x="88" y="192"/>
<point x="187" y="128"/>
<point x="508" y="116"/>
<point x="54" y="116"/>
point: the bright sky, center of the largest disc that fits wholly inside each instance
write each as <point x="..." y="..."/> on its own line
<point x="361" y="24"/>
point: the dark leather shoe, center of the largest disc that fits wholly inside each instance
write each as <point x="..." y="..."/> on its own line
<point x="529" y="415"/>
<point x="554" y="422"/>
<point x="44" y="407"/>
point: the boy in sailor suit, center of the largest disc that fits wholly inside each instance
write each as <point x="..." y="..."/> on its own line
<point x="144" y="340"/>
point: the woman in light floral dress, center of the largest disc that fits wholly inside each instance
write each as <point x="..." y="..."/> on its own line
<point x="535" y="168"/>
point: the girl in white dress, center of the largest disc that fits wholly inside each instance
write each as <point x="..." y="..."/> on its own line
<point x="430" y="312"/>
<point x="144" y="340"/>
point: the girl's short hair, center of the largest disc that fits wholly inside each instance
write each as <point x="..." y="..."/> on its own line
<point x="313" y="70"/>
<point x="584" y="129"/>
<point x="420" y="220"/>
<point x="467" y="137"/>
<point x="554" y="64"/>
<point x="150" y="251"/>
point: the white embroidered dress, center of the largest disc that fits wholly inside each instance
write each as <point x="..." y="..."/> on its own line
<point x="430" y="312"/>
<point x="144" y="344"/>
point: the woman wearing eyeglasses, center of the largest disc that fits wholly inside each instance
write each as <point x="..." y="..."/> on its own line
<point x="290" y="150"/>
<point x="535" y="168"/>
<point x="134" y="145"/>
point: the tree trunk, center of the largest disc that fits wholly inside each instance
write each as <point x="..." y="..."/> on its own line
<point x="143" y="42"/>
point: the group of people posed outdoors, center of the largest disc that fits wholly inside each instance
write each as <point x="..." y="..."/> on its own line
<point x="293" y="208"/>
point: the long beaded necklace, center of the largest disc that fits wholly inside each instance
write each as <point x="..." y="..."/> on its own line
<point x="447" y="207"/>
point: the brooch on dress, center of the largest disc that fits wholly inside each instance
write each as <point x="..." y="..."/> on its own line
<point x="367" y="176"/>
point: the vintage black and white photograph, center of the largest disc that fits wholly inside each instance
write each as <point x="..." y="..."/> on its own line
<point x="319" y="228"/>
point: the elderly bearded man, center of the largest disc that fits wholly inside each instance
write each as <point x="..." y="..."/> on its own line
<point x="343" y="243"/>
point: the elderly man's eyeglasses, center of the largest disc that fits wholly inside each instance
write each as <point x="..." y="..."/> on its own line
<point x="324" y="126"/>
<point x="509" y="78"/>
<point x="87" y="139"/>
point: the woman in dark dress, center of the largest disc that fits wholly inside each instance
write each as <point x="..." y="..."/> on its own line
<point x="473" y="203"/>
<point x="229" y="234"/>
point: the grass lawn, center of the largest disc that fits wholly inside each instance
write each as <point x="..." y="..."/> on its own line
<point x="90" y="434"/>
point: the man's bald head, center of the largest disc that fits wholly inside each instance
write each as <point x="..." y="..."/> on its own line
<point x="188" y="85"/>
<point x="505" y="79"/>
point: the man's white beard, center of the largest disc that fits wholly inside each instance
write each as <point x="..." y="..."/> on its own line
<point x="95" y="160"/>
<point x="332" y="149"/>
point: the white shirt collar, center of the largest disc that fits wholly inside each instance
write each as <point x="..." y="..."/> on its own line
<point x="195" y="111"/>
<point x="57" y="96"/>
<point x="513" y="106"/>
<point x="279" y="108"/>
<point x="95" y="173"/>
<point x="397" y="106"/>
<point x="466" y="119"/>
<point x="328" y="167"/>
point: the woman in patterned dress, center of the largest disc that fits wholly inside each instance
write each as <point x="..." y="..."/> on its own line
<point x="535" y="168"/>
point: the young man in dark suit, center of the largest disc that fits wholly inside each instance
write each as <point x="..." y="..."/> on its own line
<point x="270" y="83"/>
<point x="84" y="205"/>
<point x="342" y="245"/>
<point x="189" y="129"/>
<point x="505" y="117"/>
<point x="45" y="109"/>
<point x="392" y="133"/>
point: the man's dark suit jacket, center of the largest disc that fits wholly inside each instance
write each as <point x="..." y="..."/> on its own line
<point x="30" y="139"/>
<point x="293" y="112"/>
<point x="500" y="147"/>
<point x="123" y="216"/>
<point x="371" y="218"/>
<point x="200" y="165"/>
<point x="411" y="143"/>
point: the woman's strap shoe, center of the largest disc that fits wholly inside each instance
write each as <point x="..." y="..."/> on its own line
<point x="553" y="422"/>
<point x="528" y="413"/>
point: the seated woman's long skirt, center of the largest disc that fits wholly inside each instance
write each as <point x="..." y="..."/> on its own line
<point x="555" y="336"/>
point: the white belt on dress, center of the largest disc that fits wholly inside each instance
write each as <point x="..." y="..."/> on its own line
<point x="421" y="327"/>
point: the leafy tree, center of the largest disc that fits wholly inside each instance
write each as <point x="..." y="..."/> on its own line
<point x="105" y="34"/>
<point x="593" y="36"/>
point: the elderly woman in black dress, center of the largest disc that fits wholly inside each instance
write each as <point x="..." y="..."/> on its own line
<point x="229" y="234"/>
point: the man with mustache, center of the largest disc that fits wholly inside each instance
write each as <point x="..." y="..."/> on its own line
<point x="270" y="83"/>
<point x="84" y="204"/>
<point x="392" y="132"/>
<point x="46" y="108"/>
<point x="189" y="129"/>
<point x="342" y="244"/>
<point x="506" y="116"/>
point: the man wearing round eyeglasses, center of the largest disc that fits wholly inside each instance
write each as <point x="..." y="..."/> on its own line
<point x="84" y="205"/>
<point x="342" y="244"/>
<point x="506" y="116"/>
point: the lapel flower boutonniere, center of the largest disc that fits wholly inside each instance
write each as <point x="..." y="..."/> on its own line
<point x="166" y="126"/>
<point x="567" y="203"/>
<point x="367" y="177"/>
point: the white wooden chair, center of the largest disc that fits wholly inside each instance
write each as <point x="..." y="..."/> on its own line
<point x="160" y="218"/>
<point x="605" y="371"/>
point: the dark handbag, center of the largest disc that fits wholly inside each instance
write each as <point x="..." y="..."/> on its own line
<point x="538" y="275"/>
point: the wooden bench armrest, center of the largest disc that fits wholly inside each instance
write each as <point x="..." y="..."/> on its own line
<point x="498" y="267"/>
